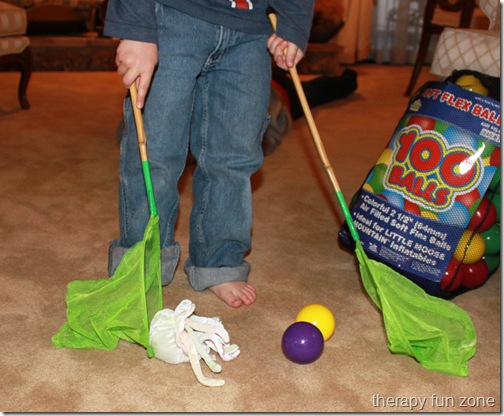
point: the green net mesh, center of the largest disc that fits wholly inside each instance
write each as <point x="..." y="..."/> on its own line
<point x="103" y="311"/>
<point x="436" y="332"/>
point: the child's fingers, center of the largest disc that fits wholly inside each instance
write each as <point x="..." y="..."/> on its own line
<point x="143" y="83"/>
<point x="285" y="54"/>
<point x="293" y="55"/>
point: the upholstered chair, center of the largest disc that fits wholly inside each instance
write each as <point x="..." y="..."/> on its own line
<point x="15" y="52"/>
<point x="477" y="50"/>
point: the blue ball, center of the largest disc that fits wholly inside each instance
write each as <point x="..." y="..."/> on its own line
<point x="457" y="215"/>
<point x="394" y="198"/>
<point x="456" y="136"/>
<point x="302" y="343"/>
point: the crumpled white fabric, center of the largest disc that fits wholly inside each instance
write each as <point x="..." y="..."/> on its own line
<point x="179" y="336"/>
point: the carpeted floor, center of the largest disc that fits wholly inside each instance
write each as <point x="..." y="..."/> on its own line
<point x="58" y="211"/>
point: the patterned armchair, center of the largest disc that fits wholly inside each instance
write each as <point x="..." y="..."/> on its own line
<point x="477" y="50"/>
<point x="15" y="52"/>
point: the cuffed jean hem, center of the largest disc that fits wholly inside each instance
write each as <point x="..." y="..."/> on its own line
<point x="169" y="260"/>
<point x="201" y="278"/>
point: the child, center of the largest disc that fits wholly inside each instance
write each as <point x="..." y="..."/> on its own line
<point x="203" y="74"/>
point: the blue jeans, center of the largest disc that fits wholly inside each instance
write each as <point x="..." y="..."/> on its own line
<point x="209" y="94"/>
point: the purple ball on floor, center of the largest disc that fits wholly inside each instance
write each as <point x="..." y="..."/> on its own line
<point x="302" y="343"/>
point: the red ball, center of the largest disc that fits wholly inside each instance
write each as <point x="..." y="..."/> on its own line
<point x="382" y="196"/>
<point x="484" y="217"/>
<point x="495" y="157"/>
<point x="475" y="274"/>
<point x="411" y="207"/>
<point x="469" y="198"/>
<point x="452" y="278"/>
<point x="425" y="123"/>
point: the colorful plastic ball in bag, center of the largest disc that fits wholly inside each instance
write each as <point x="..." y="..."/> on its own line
<point x="495" y="157"/>
<point x="425" y="123"/>
<point x="411" y="207"/>
<point x="471" y="83"/>
<point x="475" y="274"/>
<point x="484" y="217"/>
<point x="495" y="183"/>
<point x="492" y="262"/>
<point x="491" y="237"/>
<point x="393" y="197"/>
<point x="429" y="214"/>
<point x="458" y="215"/>
<point x="470" y="248"/>
<point x="495" y="200"/>
<point x="376" y="179"/>
<point x="469" y="198"/>
<point x="385" y="157"/>
<point x="451" y="279"/>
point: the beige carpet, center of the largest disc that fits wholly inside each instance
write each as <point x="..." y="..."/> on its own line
<point x="58" y="211"/>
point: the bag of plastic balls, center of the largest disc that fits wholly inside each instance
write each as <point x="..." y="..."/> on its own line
<point x="430" y="206"/>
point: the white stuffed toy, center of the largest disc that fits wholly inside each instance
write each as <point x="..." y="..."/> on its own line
<point x="179" y="336"/>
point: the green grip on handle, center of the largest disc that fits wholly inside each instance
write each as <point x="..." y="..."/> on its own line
<point x="347" y="215"/>
<point x="149" y="188"/>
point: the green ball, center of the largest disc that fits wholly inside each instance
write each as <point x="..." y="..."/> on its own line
<point x="488" y="148"/>
<point x="377" y="177"/>
<point x="441" y="126"/>
<point x="496" y="201"/>
<point x="492" y="240"/>
<point x="495" y="183"/>
<point x="493" y="263"/>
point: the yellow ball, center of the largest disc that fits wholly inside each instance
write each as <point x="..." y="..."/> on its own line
<point x="385" y="157"/>
<point x="320" y="316"/>
<point x="471" y="83"/>
<point x="470" y="248"/>
<point x="429" y="214"/>
<point x="368" y="187"/>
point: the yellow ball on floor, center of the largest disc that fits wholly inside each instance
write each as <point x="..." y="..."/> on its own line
<point x="320" y="316"/>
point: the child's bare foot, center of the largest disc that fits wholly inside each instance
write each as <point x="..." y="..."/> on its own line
<point x="235" y="294"/>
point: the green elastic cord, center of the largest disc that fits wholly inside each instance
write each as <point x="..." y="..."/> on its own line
<point x="348" y="216"/>
<point x="148" y="187"/>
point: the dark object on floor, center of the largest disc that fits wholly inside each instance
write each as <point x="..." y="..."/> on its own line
<point x="321" y="90"/>
<point x="284" y="99"/>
